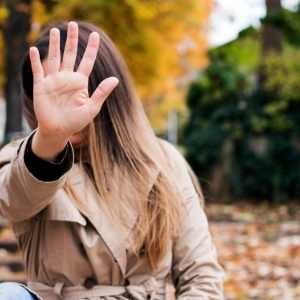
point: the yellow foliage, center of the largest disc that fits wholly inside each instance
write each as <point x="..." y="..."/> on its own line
<point x="163" y="42"/>
<point x="3" y="16"/>
<point x="3" y="13"/>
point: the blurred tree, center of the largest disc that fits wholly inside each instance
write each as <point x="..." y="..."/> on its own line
<point x="213" y="121"/>
<point x="271" y="36"/>
<point x="15" y="30"/>
<point x="243" y="135"/>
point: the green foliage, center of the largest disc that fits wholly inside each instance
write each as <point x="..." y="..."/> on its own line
<point x="245" y="54"/>
<point x="262" y="125"/>
<point x="216" y="102"/>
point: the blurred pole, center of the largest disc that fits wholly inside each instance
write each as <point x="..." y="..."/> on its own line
<point x="172" y="127"/>
<point x="15" y="32"/>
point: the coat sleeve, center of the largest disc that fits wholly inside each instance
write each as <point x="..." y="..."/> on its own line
<point x="23" y="195"/>
<point x="196" y="271"/>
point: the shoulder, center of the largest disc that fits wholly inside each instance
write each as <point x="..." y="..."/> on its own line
<point x="183" y="173"/>
<point x="171" y="151"/>
<point x="175" y="159"/>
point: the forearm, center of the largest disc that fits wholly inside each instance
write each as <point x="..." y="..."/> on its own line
<point x="197" y="273"/>
<point x="24" y="191"/>
<point x="47" y="147"/>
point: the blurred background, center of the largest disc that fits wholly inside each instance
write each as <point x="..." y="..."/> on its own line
<point x="220" y="79"/>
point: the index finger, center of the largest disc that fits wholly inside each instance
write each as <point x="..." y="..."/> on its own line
<point x="36" y="65"/>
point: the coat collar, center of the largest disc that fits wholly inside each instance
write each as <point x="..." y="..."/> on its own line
<point x="85" y="199"/>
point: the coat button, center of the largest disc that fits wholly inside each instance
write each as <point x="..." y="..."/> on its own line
<point x="90" y="282"/>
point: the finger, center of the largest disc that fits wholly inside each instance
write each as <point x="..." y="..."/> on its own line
<point x="53" y="59"/>
<point x="70" y="50"/>
<point x="36" y="65"/>
<point x="90" y="54"/>
<point x="102" y="92"/>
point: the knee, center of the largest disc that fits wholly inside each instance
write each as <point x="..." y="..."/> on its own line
<point x="13" y="291"/>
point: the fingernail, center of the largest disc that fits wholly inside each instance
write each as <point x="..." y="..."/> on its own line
<point x="32" y="50"/>
<point x="114" y="81"/>
<point x="54" y="30"/>
<point x="72" y="23"/>
<point x="109" y="84"/>
<point x="94" y="34"/>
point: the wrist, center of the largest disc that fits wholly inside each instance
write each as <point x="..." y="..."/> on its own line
<point x="47" y="146"/>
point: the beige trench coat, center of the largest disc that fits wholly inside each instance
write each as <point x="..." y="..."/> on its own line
<point x="72" y="250"/>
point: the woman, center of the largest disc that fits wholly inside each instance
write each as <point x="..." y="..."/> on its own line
<point x="101" y="207"/>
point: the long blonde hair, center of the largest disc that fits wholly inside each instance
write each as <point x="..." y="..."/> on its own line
<point x="122" y="144"/>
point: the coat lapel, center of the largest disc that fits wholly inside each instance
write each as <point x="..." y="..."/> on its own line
<point x="85" y="198"/>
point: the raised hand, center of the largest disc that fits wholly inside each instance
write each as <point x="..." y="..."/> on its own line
<point x="61" y="101"/>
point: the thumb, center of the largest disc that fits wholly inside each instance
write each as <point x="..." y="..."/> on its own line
<point x="103" y="90"/>
<point x="101" y="93"/>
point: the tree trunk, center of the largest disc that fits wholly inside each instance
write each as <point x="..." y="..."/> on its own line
<point x="15" y="33"/>
<point x="271" y="36"/>
<point x="271" y="39"/>
<point x="220" y="186"/>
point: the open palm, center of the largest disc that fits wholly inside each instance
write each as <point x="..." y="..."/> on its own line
<point x="61" y="101"/>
